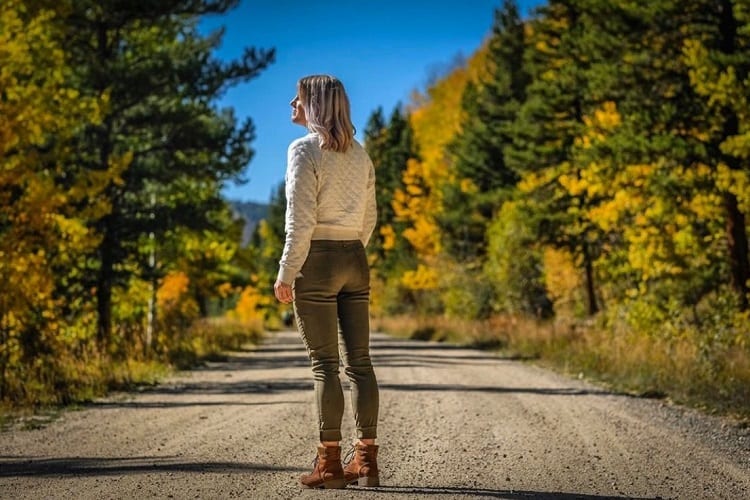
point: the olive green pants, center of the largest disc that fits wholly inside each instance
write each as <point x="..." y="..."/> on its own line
<point x="332" y="294"/>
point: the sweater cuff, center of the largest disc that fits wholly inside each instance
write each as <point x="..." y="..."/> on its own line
<point x="286" y="275"/>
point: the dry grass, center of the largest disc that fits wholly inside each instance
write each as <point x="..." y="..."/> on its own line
<point x="210" y="338"/>
<point x="66" y="377"/>
<point x="682" y="368"/>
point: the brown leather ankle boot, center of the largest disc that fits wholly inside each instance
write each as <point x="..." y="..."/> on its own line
<point x="363" y="467"/>
<point x="327" y="472"/>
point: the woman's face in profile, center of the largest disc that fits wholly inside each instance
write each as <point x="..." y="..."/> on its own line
<point x="298" y="112"/>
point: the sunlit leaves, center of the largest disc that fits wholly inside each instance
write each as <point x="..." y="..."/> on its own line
<point x="43" y="236"/>
<point x="110" y="142"/>
<point x="625" y="147"/>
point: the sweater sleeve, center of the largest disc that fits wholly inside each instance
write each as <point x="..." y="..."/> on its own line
<point x="370" y="219"/>
<point x="301" y="201"/>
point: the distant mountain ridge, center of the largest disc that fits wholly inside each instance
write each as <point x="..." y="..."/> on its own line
<point x="252" y="213"/>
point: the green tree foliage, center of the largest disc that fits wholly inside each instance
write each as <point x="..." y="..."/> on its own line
<point x="514" y="264"/>
<point x="261" y="256"/>
<point x="490" y="106"/>
<point x="549" y="123"/>
<point x="391" y="146"/>
<point x="112" y="158"/>
<point x="267" y="241"/>
<point x="650" y="161"/>
<point x="43" y="243"/>
<point x="619" y="130"/>
<point x="718" y="57"/>
<point x="162" y="81"/>
<point x="489" y="109"/>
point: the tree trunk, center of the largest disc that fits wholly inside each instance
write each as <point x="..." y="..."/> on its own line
<point x="105" y="280"/>
<point x="104" y="287"/>
<point x="739" y="262"/>
<point x="736" y="230"/>
<point x="592" y="303"/>
<point x="202" y="302"/>
<point x="4" y="337"/>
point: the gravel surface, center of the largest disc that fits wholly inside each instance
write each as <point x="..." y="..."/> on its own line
<point x="455" y="423"/>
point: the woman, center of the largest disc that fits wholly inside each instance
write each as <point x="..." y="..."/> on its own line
<point x="330" y="216"/>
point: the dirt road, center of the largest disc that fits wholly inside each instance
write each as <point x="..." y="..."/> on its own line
<point x="455" y="423"/>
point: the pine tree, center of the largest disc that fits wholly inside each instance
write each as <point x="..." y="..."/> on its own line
<point x="161" y="80"/>
<point x="548" y="124"/>
<point x="390" y="146"/>
<point x="491" y="105"/>
<point x="267" y="241"/>
<point x="374" y="135"/>
<point x="489" y="108"/>
<point x="719" y="59"/>
<point x="665" y="152"/>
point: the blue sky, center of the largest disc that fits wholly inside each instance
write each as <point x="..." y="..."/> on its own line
<point x="381" y="50"/>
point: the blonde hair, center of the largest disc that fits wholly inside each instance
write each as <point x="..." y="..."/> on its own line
<point x="327" y="111"/>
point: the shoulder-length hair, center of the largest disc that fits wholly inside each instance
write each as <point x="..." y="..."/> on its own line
<point x="327" y="111"/>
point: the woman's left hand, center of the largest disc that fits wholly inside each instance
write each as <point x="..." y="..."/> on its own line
<point x="283" y="292"/>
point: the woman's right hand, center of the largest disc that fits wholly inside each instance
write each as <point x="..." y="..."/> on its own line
<point x="283" y="292"/>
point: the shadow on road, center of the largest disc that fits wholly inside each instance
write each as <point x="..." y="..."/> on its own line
<point x="19" y="466"/>
<point x="179" y="404"/>
<point x="386" y="351"/>
<point x="235" y="387"/>
<point x="284" y="351"/>
<point x="546" y="391"/>
<point x="297" y="359"/>
<point x="258" y="361"/>
<point x="487" y="493"/>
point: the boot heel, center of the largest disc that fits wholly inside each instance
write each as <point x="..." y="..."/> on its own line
<point x="334" y="484"/>
<point x="368" y="481"/>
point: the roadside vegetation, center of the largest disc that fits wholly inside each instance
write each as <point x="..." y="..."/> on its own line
<point x="577" y="191"/>
<point x="681" y="369"/>
<point x="119" y="258"/>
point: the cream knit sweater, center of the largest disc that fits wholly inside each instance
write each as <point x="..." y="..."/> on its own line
<point x="329" y="196"/>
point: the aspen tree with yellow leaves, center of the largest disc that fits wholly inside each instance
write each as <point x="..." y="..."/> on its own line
<point x="43" y="234"/>
<point x="627" y="217"/>
<point x="719" y="68"/>
<point x="419" y="203"/>
<point x="391" y="146"/>
<point x="112" y="158"/>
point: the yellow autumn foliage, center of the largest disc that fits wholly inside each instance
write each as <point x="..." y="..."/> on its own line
<point x="389" y="236"/>
<point x="422" y="278"/>
<point x="45" y="237"/>
<point x="173" y="288"/>
<point x="248" y="310"/>
<point x="736" y="182"/>
<point x="562" y="280"/>
<point x="435" y="118"/>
